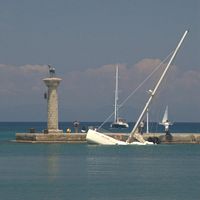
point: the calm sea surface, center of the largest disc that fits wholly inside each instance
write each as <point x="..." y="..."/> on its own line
<point x="92" y="172"/>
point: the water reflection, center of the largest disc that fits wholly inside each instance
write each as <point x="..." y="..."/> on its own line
<point x="105" y="174"/>
<point x="53" y="162"/>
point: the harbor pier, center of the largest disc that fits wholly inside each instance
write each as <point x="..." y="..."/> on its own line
<point x="160" y="138"/>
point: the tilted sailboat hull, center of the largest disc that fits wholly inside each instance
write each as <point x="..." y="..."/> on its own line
<point x="95" y="137"/>
<point x="99" y="138"/>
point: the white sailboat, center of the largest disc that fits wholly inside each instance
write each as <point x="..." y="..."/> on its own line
<point x="165" y="121"/>
<point x="118" y="122"/>
<point x="103" y="139"/>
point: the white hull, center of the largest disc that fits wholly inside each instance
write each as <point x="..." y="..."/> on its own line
<point x="119" y="125"/>
<point x="99" y="138"/>
<point x="95" y="137"/>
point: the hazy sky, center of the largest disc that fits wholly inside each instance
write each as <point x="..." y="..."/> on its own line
<point x="84" y="40"/>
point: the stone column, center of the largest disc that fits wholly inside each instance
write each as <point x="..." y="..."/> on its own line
<point x="52" y="100"/>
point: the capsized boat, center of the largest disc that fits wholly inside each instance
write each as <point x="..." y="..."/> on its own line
<point x="118" y="122"/>
<point x="93" y="136"/>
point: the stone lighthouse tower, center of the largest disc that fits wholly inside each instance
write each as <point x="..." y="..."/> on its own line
<point x="52" y="84"/>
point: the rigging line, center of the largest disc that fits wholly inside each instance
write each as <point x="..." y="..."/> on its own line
<point x="148" y="77"/>
<point x="106" y="120"/>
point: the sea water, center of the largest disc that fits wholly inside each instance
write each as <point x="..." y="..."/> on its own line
<point x="93" y="172"/>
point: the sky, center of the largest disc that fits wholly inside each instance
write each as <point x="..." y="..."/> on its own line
<point x="84" y="41"/>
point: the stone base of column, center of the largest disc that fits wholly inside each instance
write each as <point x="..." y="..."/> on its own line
<point x="55" y="131"/>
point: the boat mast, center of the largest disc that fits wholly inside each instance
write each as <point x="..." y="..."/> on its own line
<point x="147" y="120"/>
<point x="152" y="93"/>
<point x="116" y="95"/>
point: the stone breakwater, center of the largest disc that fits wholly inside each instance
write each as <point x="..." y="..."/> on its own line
<point x="177" y="138"/>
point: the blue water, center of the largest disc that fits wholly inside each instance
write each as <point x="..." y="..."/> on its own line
<point x="92" y="172"/>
